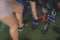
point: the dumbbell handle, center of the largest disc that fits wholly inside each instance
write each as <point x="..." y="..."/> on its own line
<point x="45" y="27"/>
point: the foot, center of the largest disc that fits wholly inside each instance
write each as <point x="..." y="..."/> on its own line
<point x="35" y="24"/>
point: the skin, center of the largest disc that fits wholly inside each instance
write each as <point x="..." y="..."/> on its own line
<point x="11" y="21"/>
<point x="18" y="9"/>
<point x="33" y="9"/>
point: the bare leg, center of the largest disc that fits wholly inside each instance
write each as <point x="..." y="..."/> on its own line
<point x="18" y="9"/>
<point x="19" y="15"/>
<point x="33" y="8"/>
<point x="11" y="21"/>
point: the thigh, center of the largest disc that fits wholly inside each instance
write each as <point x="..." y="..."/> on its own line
<point x="10" y="20"/>
<point x="17" y="7"/>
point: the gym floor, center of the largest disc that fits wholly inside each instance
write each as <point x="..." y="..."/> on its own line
<point x="32" y="34"/>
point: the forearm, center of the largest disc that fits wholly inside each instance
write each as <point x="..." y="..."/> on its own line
<point x="33" y="9"/>
<point x="33" y="4"/>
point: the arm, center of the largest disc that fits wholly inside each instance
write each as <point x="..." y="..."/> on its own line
<point x="33" y="8"/>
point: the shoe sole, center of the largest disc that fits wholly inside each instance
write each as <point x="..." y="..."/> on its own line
<point x="21" y="30"/>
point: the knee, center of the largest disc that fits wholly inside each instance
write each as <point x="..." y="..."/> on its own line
<point x="14" y="27"/>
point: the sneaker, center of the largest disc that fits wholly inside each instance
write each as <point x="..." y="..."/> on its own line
<point x="25" y="24"/>
<point x="20" y="29"/>
<point x="35" y="24"/>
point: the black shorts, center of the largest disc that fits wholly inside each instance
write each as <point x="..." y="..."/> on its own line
<point x="34" y="0"/>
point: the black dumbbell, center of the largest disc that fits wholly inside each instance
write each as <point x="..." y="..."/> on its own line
<point x="45" y="29"/>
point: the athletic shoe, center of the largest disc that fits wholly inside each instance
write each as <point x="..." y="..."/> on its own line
<point x="35" y="24"/>
<point x="25" y="24"/>
<point x="20" y="28"/>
